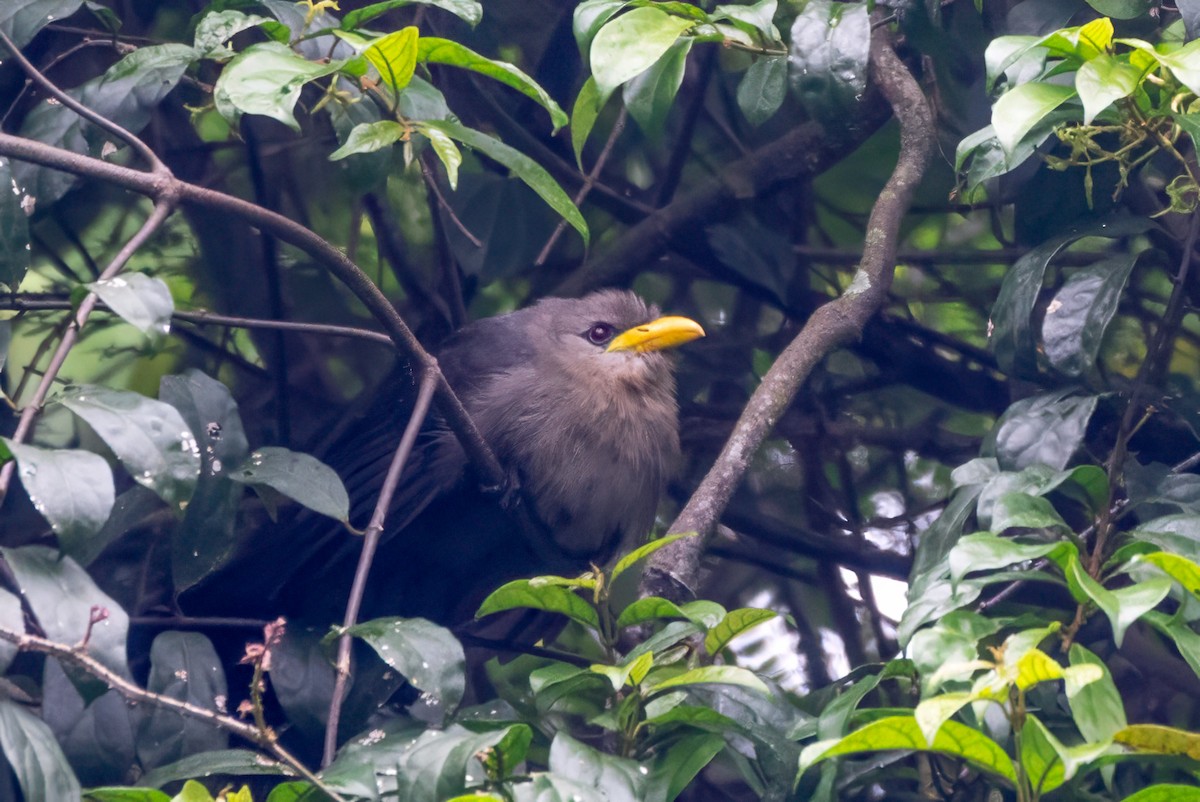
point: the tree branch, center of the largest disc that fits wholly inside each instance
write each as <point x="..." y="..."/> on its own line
<point x="674" y="571"/>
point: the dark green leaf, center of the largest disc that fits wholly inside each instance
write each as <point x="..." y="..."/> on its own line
<point x="62" y="596"/>
<point x="34" y="756"/>
<point x="126" y="94"/>
<point x="14" y="230"/>
<point x="619" y="779"/>
<point x="96" y="736"/>
<point x="469" y="11"/>
<point x="125" y="795"/>
<point x="1044" y="429"/>
<point x="150" y="438"/>
<point x="761" y="91"/>
<point x="441" y="764"/>
<point x="522" y="166"/>
<point x="675" y="767"/>
<point x="22" y="20"/>
<point x="185" y="667"/>
<point x="937" y="541"/>
<point x="1165" y="792"/>
<point x="207" y="538"/>
<point x="630" y="44"/>
<point x="1121" y="9"/>
<point x="827" y="65"/>
<point x="142" y="301"/>
<point x="1080" y="312"/>
<point x="444" y="51"/>
<point x="555" y="788"/>
<point x="72" y="489"/>
<point x="209" y="764"/>
<point x="297" y="476"/>
<point x="426" y="654"/>
<point x="649" y="96"/>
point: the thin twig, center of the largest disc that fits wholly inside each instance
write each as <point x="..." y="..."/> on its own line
<point x="134" y="693"/>
<point x="370" y="542"/>
<point x="588" y="182"/>
<point x="38" y="303"/>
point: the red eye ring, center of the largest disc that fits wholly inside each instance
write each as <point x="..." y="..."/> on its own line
<point x="599" y="333"/>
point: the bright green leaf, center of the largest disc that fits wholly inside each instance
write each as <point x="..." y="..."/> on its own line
<point x="630" y="44"/>
<point x="395" y="56"/>
<point x="1021" y="108"/>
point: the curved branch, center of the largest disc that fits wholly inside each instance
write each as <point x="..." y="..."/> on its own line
<point x="79" y="658"/>
<point x="674" y="570"/>
<point x="291" y="232"/>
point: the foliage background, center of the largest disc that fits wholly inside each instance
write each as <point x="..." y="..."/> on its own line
<point x="1031" y="373"/>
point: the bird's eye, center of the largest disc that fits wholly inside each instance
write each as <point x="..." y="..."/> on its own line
<point x="599" y="333"/>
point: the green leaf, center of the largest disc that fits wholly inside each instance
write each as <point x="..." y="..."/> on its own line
<point x="218" y="27"/>
<point x="125" y="795"/>
<point x="1043" y="429"/>
<point x="210" y="764"/>
<point x="984" y="551"/>
<point x="150" y="438"/>
<point x="1023" y="511"/>
<point x="630" y="44"/>
<point x="298" y="476"/>
<point x="14" y="230"/>
<point x="1021" y="108"/>
<point x="1039" y="756"/>
<point x="370" y="137"/>
<point x="142" y="301"/>
<point x="675" y="767"/>
<point x="650" y="95"/>
<point x="827" y="57"/>
<point x="444" y="51"/>
<point x="469" y="11"/>
<point x="1102" y="81"/>
<point x="1121" y="9"/>
<point x="207" y="537"/>
<point x="583" y="117"/>
<point x="266" y="78"/>
<point x="395" y="56"/>
<point x="62" y="595"/>
<point x="551" y="598"/>
<point x="756" y="18"/>
<point x="1160" y="740"/>
<point x="649" y="608"/>
<point x="725" y="675"/>
<point x="617" y="778"/>
<point x="127" y="94"/>
<point x="1123" y="606"/>
<point x="12" y="618"/>
<point x="932" y="713"/>
<point x="1078" y="316"/>
<point x="1096" y="706"/>
<point x="1181" y="569"/>
<point x="34" y="756"/>
<point x="1166" y="792"/>
<point x="590" y="16"/>
<point x="902" y="732"/>
<point x="761" y="90"/>
<point x="446" y="150"/>
<point x="428" y="655"/>
<point x="644" y="551"/>
<point x="21" y="21"/>
<point x="73" y="490"/>
<point x="522" y="166"/>
<point x="733" y="624"/>
<point x="185" y="667"/>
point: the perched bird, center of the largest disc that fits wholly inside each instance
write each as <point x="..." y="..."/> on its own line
<point x="576" y="397"/>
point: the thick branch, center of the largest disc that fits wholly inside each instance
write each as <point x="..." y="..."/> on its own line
<point x="674" y="571"/>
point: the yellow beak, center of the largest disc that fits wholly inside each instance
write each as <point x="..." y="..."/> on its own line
<point x="666" y="332"/>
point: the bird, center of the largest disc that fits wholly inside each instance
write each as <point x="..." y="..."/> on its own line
<point x="576" y="398"/>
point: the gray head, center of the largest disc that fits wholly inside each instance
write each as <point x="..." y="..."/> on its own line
<point x="577" y="396"/>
